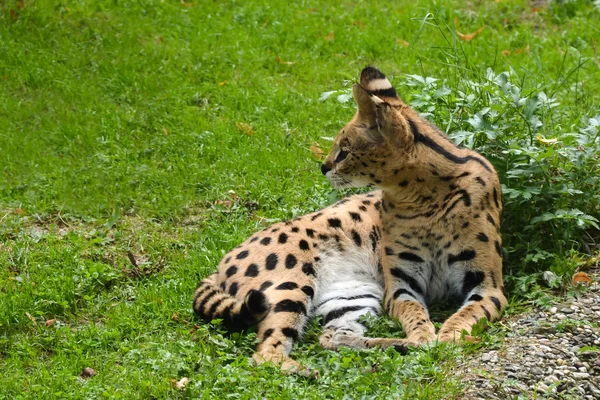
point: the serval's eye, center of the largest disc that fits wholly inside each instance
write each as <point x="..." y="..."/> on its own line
<point x="341" y="156"/>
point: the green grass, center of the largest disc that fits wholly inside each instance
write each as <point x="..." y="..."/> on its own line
<point x="118" y="134"/>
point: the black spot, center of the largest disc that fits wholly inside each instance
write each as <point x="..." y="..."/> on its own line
<point x="496" y="303"/>
<point x="254" y="239"/>
<point x="227" y="260"/>
<point x="282" y="238"/>
<point x="355" y="217"/>
<point x="377" y="205"/>
<point x="412" y="282"/>
<point x="366" y="202"/>
<point x="472" y="280"/>
<point x="303" y="245"/>
<point x="482" y="237"/>
<point x="231" y="271"/>
<point x="308" y="269"/>
<point x="295" y="229"/>
<point x="290" y="261"/>
<point x="265" y="241"/>
<point x="403" y="183"/>
<point x="475" y="297"/>
<point x="504" y="292"/>
<point x="493" y="277"/>
<point x="223" y="286"/>
<point x="480" y="181"/>
<point x="465" y="225"/>
<point x="491" y="220"/>
<point x="274" y="230"/>
<point x="233" y="288"/>
<point x="267" y="334"/>
<point x="405" y="255"/>
<point x="356" y="238"/>
<point x="317" y="215"/>
<point x="290" y="332"/>
<point x="310" y="292"/>
<point x="373" y="237"/>
<point x="242" y="254"/>
<point x="310" y="233"/>
<point x="252" y="270"/>
<point x="290" y="306"/>
<point x="498" y="248"/>
<point x="464" y="255"/>
<point x="362" y="208"/>
<point x="265" y="285"/>
<point x="334" y="222"/>
<point x="271" y="261"/>
<point x="486" y="312"/>
<point x="496" y="198"/>
<point x="287" y="286"/>
<point x="389" y="251"/>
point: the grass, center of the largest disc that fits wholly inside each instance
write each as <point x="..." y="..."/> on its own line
<point x="122" y="133"/>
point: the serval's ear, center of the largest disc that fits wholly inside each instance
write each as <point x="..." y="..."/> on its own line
<point x="377" y="109"/>
<point x="376" y="84"/>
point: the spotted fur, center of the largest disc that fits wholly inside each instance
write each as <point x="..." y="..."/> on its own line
<point x="327" y="263"/>
<point x="431" y="232"/>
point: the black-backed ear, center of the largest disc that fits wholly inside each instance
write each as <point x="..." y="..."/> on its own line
<point x="375" y="83"/>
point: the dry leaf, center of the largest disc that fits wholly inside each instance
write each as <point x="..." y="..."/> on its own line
<point x="165" y="131"/>
<point x="179" y="385"/>
<point x="222" y="83"/>
<point x="471" y="339"/>
<point x="358" y="23"/>
<point x="580" y="277"/>
<point x="224" y="203"/>
<point x="402" y="42"/>
<point x="233" y="194"/>
<point x="244" y="128"/>
<point x="183" y="3"/>
<point x="280" y="61"/>
<point x="466" y="36"/>
<point x="470" y="36"/>
<point x="329" y="36"/>
<point x="522" y="50"/>
<point x="132" y="259"/>
<point x="506" y="52"/>
<point x="13" y="14"/>
<point x="31" y="318"/>
<point x="21" y="4"/>
<point x="87" y="373"/>
<point x="50" y="322"/>
<point x="316" y="151"/>
<point x="18" y="211"/>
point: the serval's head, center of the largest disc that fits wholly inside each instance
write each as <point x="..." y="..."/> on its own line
<point x="378" y="139"/>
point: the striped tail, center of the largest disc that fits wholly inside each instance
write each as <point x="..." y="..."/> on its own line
<point x="210" y="303"/>
<point x="376" y="84"/>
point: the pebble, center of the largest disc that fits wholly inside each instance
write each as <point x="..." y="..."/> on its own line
<point x="540" y="354"/>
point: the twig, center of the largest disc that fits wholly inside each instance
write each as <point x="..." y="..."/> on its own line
<point x="595" y="53"/>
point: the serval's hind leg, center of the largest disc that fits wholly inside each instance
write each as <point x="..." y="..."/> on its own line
<point x="277" y="333"/>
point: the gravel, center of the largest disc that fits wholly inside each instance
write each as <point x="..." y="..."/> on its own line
<point x="546" y="354"/>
